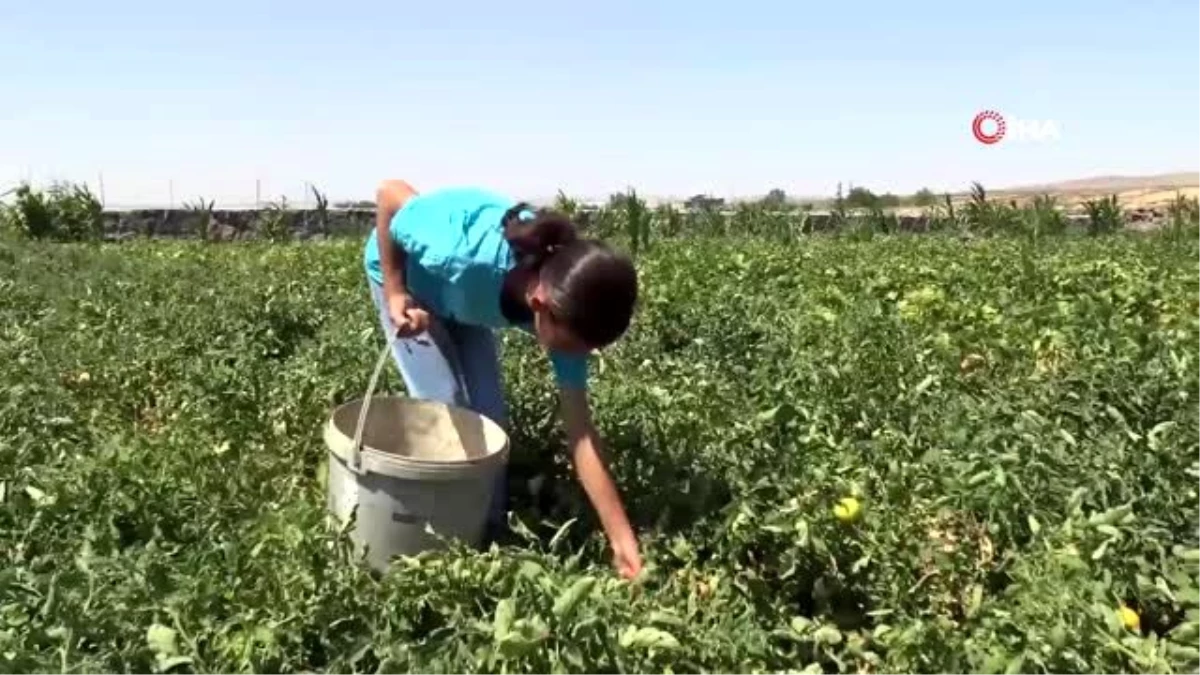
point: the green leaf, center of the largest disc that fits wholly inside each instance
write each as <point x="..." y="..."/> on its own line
<point x="975" y="600"/>
<point x="524" y="637"/>
<point x="827" y="634"/>
<point x="633" y="638"/>
<point x="1188" y="631"/>
<point x="570" y="598"/>
<point x="924" y="384"/>
<point x="531" y="570"/>
<point x="1113" y="515"/>
<point x="667" y="618"/>
<point x="37" y="496"/>
<point x="167" y="663"/>
<point x="801" y="624"/>
<point x="562" y="532"/>
<point x="502" y="620"/>
<point x="1189" y="555"/>
<point x="161" y="640"/>
<point x="1153" y="438"/>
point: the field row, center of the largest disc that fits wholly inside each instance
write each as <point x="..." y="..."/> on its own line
<point x="73" y="213"/>
<point x="1017" y="421"/>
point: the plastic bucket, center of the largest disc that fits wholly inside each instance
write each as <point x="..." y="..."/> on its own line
<point x="402" y="467"/>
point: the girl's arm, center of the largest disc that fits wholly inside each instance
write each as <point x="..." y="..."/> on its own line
<point x="590" y="468"/>
<point x="389" y="199"/>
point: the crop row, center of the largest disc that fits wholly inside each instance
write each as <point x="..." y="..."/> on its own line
<point x="1017" y="422"/>
<point x="67" y="212"/>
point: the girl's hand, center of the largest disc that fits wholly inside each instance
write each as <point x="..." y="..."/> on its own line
<point x="598" y="484"/>
<point x="410" y="320"/>
<point x="626" y="557"/>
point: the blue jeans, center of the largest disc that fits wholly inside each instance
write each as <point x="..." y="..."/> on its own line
<point x="459" y="366"/>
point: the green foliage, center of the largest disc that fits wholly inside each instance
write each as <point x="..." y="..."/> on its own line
<point x="775" y="199"/>
<point x="65" y="214"/>
<point x="1105" y="215"/>
<point x="880" y="221"/>
<point x="924" y="198"/>
<point x="944" y="217"/>
<point x="62" y="212"/>
<point x="841" y="212"/>
<point x="566" y="205"/>
<point x="1183" y="218"/>
<point x="704" y="203"/>
<point x="273" y="223"/>
<point x="988" y="217"/>
<point x="861" y="198"/>
<point x="322" y="210"/>
<point x="1018" y="423"/>
<point x="670" y="220"/>
<point x="1043" y="218"/>
<point x="637" y="219"/>
<point x="203" y="216"/>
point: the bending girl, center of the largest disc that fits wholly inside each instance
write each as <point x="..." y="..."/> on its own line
<point x="460" y="263"/>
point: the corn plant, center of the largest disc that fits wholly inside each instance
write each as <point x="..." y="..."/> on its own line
<point x="8" y="225"/>
<point x="272" y="223"/>
<point x="748" y="219"/>
<point x="1105" y="215"/>
<point x="31" y="215"/>
<point x="321" y="211"/>
<point x="79" y="212"/>
<point x="880" y="221"/>
<point x="840" y="210"/>
<point x="62" y="212"/>
<point x="202" y="212"/>
<point x="638" y="220"/>
<point x="565" y="205"/>
<point x="989" y="217"/>
<point x="670" y="221"/>
<point x="1043" y="218"/>
<point x="1183" y="218"/>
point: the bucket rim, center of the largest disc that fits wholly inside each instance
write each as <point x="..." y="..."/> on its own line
<point x="400" y="460"/>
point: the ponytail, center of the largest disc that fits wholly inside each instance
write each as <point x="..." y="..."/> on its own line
<point x="536" y="236"/>
<point x="591" y="288"/>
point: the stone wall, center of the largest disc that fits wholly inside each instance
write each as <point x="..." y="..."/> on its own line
<point x="314" y="224"/>
<point x="239" y="224"/>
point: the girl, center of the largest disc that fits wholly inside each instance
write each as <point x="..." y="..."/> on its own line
<point x="448" y="267"/>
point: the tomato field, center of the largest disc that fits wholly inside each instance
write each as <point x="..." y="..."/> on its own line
<point x="1006" y="429"/>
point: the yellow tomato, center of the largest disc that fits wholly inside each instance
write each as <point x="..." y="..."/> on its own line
<point x="1130" y="618"/>
<point x="847" y="509"/>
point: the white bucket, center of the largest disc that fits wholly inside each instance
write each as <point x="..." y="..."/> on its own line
<point x="409" y="465"/>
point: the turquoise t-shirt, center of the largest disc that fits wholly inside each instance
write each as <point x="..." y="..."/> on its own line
<point x="457" y="258"/>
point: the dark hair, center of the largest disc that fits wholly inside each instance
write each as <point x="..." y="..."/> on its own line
<point x="592" y="288"/>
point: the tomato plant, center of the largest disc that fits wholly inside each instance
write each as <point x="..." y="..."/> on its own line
<point x="1015" y="426"/>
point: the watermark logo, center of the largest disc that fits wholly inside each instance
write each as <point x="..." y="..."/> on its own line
<point x="990" y="127"/>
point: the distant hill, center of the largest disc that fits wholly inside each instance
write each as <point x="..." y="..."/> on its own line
<point x="1162" y="181"/>
<point x="1134" y="192"/>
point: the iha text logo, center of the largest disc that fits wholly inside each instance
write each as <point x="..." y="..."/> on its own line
<point x="990" y="127"/>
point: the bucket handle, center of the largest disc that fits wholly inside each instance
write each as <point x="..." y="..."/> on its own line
<point x="356" y="449"/>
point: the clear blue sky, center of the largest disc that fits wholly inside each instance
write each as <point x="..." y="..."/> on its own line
<point x="590" y="97"/>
